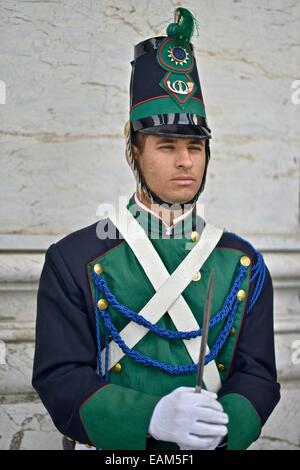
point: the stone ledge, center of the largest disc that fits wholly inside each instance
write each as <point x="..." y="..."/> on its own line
<point x="32" y="243"/>
<point x="17" y="332"/>
<point x="25" y="268"/>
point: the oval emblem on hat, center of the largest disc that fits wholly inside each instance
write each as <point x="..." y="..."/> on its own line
<point x="179" y="55"/>
<point x="173" y="57"/>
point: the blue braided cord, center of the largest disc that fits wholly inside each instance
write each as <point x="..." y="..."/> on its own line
<point x="231" y="297"/>
<point x="223" y="335"/>
<point x="176" y="370"/>
<point x="163" y="332"/>
<point x="98" y="332"/>
<point x="258" y="271"/>
<point x="169" y="368"/>
<point x="258" y="266"/>
<point x="258" y="288"/>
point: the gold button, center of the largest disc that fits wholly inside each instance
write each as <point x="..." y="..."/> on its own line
<point x="194" y="236"/>
<point x="232" y="331"/>
<point x="241" y="295"/>
<point x="221" y="367"/>
<point x="197" y="276"/>
<point x="245" y="261"/>
<point x="102" y="304"/>
<point x="117" y="368"/>
<point x="98" y="268"/>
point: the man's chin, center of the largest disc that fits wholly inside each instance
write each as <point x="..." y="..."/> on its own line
<point x="179" y="198"/>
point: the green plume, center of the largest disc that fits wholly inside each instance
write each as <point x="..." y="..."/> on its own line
<point x="184" y="27"/>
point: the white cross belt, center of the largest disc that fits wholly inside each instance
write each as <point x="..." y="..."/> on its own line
<point x="168" y="289"/>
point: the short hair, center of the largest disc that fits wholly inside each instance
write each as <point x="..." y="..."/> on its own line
<point x="139" y="140"/>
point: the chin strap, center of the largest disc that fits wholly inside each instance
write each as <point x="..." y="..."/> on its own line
<point x="143" y="187"/>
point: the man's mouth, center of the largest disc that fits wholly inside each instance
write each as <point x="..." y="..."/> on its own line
<point x="184" y="180"/>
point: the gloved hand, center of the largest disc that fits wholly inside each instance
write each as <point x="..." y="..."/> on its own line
<point x="192" y="420"/>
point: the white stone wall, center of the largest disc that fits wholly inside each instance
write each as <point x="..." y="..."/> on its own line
<point x="66" y="67"/>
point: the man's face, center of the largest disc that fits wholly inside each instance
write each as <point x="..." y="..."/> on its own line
<point x="172" y="167"/>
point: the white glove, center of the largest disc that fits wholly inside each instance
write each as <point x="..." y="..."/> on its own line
<point x="192" y="420"/>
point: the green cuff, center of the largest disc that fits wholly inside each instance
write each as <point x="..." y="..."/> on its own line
<point x="118" y="418"/>
<point x="244" y="425"/>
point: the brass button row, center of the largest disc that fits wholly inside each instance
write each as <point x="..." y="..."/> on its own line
<point x="102" y="303"/>
<point x="245" y="261"/>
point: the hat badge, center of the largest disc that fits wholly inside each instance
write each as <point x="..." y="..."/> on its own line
<point x="179" y="55"/>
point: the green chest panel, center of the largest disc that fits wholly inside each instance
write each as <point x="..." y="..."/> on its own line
<point x="127" y="281"/>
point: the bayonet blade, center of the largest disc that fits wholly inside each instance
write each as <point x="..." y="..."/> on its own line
<point x="204" y="336"/>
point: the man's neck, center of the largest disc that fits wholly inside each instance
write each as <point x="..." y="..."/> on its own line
<point x="166" y="215"/>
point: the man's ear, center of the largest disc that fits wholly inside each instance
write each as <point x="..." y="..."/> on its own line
<point x="135" y="151"/>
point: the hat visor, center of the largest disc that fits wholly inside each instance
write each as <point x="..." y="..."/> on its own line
<point x="179" y="131"/>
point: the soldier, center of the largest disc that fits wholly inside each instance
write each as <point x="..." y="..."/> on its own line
<point x="119" y="316"/>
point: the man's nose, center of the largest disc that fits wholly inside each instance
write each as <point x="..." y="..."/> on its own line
<point x="183" y="158"/>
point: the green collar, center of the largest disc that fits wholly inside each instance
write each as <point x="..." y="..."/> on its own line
<point x="156" y="228"/>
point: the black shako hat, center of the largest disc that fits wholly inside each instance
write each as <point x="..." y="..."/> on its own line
<point x="165" y="92"/>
